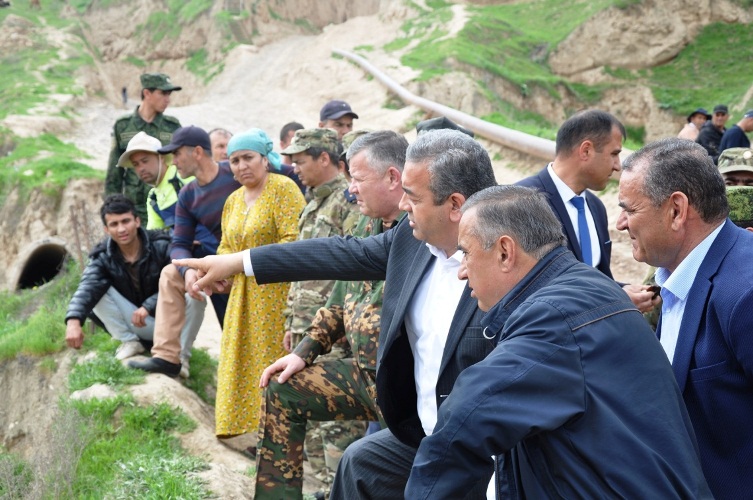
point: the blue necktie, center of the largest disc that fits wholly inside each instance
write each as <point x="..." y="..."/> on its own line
<point x="585" y="238"/>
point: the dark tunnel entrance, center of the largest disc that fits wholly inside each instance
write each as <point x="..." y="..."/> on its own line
<point x="42" y="266"/>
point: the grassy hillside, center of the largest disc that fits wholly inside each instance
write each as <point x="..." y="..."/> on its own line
<point x="513" y="41"/>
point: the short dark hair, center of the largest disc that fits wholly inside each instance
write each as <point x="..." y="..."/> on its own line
<point x="590" y="125"/>
<point x="522" y="213"/>
<point x="456" y="163"/>
<point x="678" y="165"/>
<point x="117" y="204"/>
<point x="383" y="148"/>
<point x="289" y="127"/>
<point x="316" y="152"/>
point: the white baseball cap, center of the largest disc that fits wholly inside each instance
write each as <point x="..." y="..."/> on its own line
<point x="140" y="142"/>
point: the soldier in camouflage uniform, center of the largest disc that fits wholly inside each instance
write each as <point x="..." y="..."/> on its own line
<point x="330" y="212"/>
<point x="148" y="117"/>
<point x="333" y="389"/>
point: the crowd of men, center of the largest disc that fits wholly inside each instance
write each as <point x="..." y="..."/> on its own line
<point x="710" y="131"/>
<point x="477" y="326"/>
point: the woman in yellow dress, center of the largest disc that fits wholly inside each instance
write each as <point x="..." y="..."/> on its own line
<point x="264" y="211"/>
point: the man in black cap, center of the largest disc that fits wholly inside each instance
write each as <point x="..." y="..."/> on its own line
<point x="156" y="89"/>
<point x="736" y="136"/>
<point x="711" y="133"/>
<point x="696" y="120"/>
<point x="338" y="116"/>
<point x="200" y="202"/>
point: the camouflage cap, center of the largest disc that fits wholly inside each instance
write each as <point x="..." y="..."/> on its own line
<point x="736" y="160"/>
<point x="350" y="138"/>
<point x="740" y="199"/>
<point x="307" y="138"/>
<point x="158" y="81"/>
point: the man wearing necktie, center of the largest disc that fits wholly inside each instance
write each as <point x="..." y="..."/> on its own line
<point x="587" y="151"/>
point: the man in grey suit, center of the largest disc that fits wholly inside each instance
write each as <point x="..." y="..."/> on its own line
<point x="430" y="328"/>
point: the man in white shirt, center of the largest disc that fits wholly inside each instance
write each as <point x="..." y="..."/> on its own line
<point x="430" y="327"/>
<point x="674" y="207"/>
<point x="587" y="152"/>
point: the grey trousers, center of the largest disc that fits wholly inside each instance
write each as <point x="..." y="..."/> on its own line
<point x="115" y="312"/>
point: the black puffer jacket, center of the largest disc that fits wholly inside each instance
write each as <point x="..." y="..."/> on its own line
<point x="107" y="268"/>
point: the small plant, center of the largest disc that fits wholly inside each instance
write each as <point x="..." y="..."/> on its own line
<point x="160" y="477"/>
<point x="203" y="379"/>
<point x="104" y="369"/>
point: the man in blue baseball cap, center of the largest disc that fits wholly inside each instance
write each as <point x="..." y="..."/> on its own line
<point x="338" y="116"/>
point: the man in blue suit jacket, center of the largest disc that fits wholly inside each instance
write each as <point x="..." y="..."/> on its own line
<point x="587" y="151"/>
<point x="577" y="400"/>
<point x="675" y="210"/>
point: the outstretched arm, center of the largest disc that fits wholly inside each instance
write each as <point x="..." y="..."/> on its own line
<point x="213" y="270"/>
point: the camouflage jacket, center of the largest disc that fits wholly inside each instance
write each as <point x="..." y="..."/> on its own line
<point x="125" y="180"/>
<point x="328" y="213"/>
<point x="353" y="311"/>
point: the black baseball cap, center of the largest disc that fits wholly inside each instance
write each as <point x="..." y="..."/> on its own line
<point x="721" y="108"/>
<point x="334" y="110"/>
<point x="187" y="136"/>
<point x="441" y="122"/>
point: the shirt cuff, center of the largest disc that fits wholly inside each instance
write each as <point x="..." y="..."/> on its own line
<point x="248" y="269"/>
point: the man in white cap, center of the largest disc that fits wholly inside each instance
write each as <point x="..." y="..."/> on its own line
<point x="156" y="170"/>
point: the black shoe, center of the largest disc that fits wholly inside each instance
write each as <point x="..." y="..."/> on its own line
<point x="157" y="365"/>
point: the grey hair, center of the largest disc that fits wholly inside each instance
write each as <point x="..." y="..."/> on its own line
<point x="678" y="165"/>
<point x="383" y="149"/>
<point x="220" y="131"/>
<point x="522" y="213"/>
<point x="456" y="163"/>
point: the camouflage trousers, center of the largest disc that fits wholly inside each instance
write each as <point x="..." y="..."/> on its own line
<point x="329" y="390"/>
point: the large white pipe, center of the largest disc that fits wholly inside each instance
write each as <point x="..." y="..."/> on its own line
<point x="530" y="144"/>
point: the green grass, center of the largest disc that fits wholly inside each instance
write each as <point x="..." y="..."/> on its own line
<point x="134" y="454"/>
<point x="189" y="10"/>
<point x="719" y="54"/>
<point x="199" y="65"/>
<point x="104" y="369"/>
<point x="203" y="379"/>
<point x="33" y="319"/>
<point x="43" y="162"/>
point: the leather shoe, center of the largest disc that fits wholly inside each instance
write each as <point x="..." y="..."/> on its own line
<point x="157" y="365"/>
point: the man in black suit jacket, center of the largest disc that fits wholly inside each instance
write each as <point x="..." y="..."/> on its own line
<point x="587" y="151"/>
<point x="430" y="327"/>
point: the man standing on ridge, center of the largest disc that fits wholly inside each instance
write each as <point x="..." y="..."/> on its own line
<point x="156" y="89"/>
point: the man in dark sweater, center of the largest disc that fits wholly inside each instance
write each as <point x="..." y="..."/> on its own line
<point x="711" y="133"/>
<point x="736" y="136"/>
<point x="199" y="203"/>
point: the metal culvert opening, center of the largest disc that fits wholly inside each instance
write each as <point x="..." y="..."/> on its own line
<point x="42" y="266"/>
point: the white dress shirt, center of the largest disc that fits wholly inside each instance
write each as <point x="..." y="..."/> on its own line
<point x="567" y="194"/>
<point x="427" y="321"/>
<point x="675" y="288"/>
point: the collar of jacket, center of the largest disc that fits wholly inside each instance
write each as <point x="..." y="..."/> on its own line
<point x="326" y="189"/>
<point x="550" y="266"/>
<point x="141" y="123"/>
